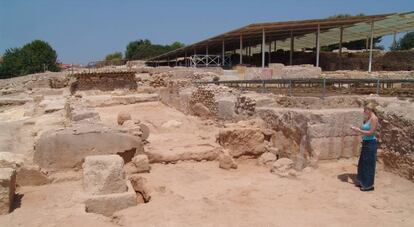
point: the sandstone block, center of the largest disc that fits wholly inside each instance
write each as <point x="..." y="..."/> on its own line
<point x="7" y="189"/>
<point x="110" y="203"/>
<point x="103" y="174"/>
<point x="283" y="167"/>
<point x="266" y="158"/>
<point x="242" y="141"/>
<point x="140" y="185"/>
<point x="226" y="161"/>
<point x="335" y="147"/>
<point x="122" y="117"/>
<point x="62" y="149"/>
<point x="226" y="108"/>
<point x="201" y="110"/>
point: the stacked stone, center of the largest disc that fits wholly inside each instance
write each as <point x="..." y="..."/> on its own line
<point x="104" y="81"/>
<point x="245" y="105"/>
<point x="206" y="97"/>
<point x="105" y="185"/>
<point x="158" y="81"/>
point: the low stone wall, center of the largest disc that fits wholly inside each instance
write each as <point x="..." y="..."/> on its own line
<point x="104" y="81"/>
<point x="278" y="71"/>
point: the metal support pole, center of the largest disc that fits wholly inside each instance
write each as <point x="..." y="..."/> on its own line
<point x="195" y="54"/>
<point x="290" y="88"/>
<point x="291" y="48"/>
<point x="371" y="46"/>
<point x="340" y="46"/>
<point x="222" y="53"/>
<point x="207" y="56"/>
<point x="318" y="45"/>
<point x="270" y="52"/>
<point x="394" y="41"/>
<point x="241" y="49"/>
<point x="263" y="46"/>
<point x="274" y="48"/>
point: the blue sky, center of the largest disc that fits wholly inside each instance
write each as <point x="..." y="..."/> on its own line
<point x="87" y="30"/>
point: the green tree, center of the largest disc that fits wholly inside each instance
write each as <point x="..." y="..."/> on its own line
<point x="143" y="49"/>
<point x="114" y="56"/>
<point x="33" y="57"/>
<point x="406" y="42"/>
<point x="12" y="64"/>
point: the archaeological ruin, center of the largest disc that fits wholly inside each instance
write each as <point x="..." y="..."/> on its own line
<point x="184" y="143"/>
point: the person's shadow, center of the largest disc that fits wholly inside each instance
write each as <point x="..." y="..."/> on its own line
<point x="344" y="177"/>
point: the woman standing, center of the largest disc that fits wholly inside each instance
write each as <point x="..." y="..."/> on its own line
<point x="367" y="159"/>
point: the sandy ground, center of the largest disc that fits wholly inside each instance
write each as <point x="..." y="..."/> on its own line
<point x="201" y="194"/>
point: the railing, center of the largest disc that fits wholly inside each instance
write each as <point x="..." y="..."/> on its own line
<point x="209" y="60"/>
<point x="323" y="85"/>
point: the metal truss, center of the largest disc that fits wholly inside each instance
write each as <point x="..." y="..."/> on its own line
<point x="209" y="61"/>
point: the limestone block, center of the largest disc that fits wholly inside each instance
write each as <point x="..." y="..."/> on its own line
<point x="140" y="185"/>
<point x="242" y="141"/>
<point x="201" y="110"/>
<point x="266" y="158"/>
<point x="226" y="108"/>
<point x="283" y="168"/>
<point x="335" y="147"/>
<point x="110" y="203"/>
<point x="122" y="117"/>
<point x="226" y="161"/>
<point x="7" y="189"/>
<point x="298" y="71"/>
<point x="104" y="174"/>
<point x="334" y="123"/>
<point x="141" y="163"/>
<point x="60" y="149"/>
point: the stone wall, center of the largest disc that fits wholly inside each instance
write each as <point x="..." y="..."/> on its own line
<point x="396" y="136"/>
<point x="104" y="81"/>
<point x="305" y="135"/>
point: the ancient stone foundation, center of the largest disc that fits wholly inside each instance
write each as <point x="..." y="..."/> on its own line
<point x="104" y="81"/>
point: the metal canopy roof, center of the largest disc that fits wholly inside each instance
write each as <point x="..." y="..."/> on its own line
<point x="354" y="28"/>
